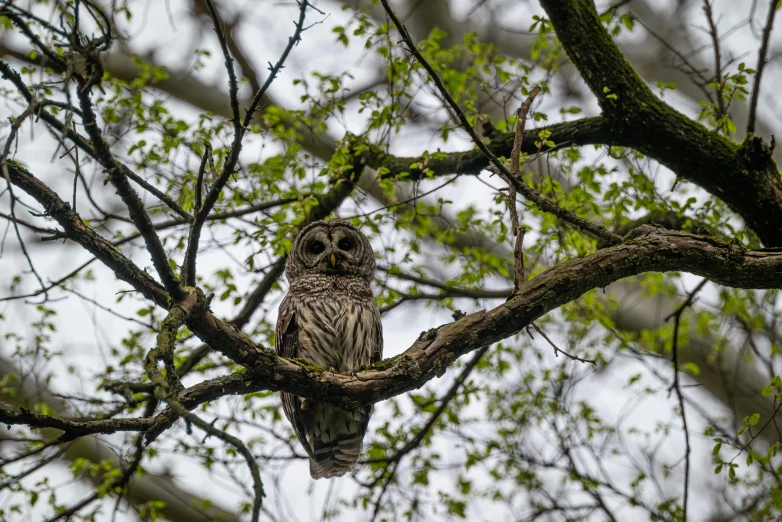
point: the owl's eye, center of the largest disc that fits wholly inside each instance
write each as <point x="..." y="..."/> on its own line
<point x="345" y="244"/>
<point x="316" y="247"/>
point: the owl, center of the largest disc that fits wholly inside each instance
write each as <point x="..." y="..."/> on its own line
<point x="330" y="318"/>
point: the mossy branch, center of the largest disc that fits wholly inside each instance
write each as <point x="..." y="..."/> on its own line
<point x="743" y="176"/>
<point x="646" y="249"/>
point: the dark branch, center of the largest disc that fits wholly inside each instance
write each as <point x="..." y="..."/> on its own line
<point x="677" y="316"/>
<point x="715" y="43"/>
<point x="71" y="428"/>
<point x="744" y="177"/>
<point x="762" y="52"/>
<point x="229" y="166"/>
<point x="233" y="85"/>
<point x="243" y="451"/>
<point x="118" y="177"/>
<point x="11" y="75"/>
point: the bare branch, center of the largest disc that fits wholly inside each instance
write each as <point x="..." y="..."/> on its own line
<point x="240" y="447"/>
<point x="72" y="428"/>
<point x="715" y="42"/>
<point x="233" y="85"/>
<point x="677" y="315"/>
<point x="231" y="161"/>
<point x="558" y="350"/>
<point x="277" y="67"/>
<point x="515" y="171"/>
<point x="762" y="52"/>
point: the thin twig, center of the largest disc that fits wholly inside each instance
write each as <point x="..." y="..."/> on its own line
<point x="416" y="441"/>
<point x="448" y="291"/>
<point x="677" y="314"/>
<point x="118" y="482"/>
<point x="444" y="402"/>
<point x="515" y="170"/>
<point x="715" y="38"/>
<point x="188" y="266"/>
<point x="15" y="125"/>
<point x="239" y="129"/>
<point x="557" y="349"/>
<point x="753" y="105"/>
<point x="233" y="85"/>
<point x="277" y="67"/>
<point x="258" y="295"/>
<point x="200" y="180"/>
<point x="686" y="67"/>
<point x="83" y="143"/>
<point x="240" y="447"/>
<point x="27" y="224"/>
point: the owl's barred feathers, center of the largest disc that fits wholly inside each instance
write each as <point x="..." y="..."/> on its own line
<point x="329" y="317"/>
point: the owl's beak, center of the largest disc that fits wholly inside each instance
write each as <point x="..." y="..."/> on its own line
<point x="333" y="260"/>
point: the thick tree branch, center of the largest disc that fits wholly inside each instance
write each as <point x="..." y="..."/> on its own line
<point x="745" y="177"/>
<point x="73" y="428"/>
<point x="648" y="248"/>
<point x="586" y="131"/>
<point x="76" y="230"/>
<point x="722" y="262"/>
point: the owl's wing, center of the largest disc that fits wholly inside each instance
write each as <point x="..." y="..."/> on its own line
<point x="287" y="345"/>
<point x="376" y="355"/>
<point x="287" y="333"/>
<point x="377" y="335"/>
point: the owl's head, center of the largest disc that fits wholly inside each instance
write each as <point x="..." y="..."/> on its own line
<point x="333" y="248"/>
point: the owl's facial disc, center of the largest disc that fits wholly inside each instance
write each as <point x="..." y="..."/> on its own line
<point x="332" y="248"/>
<point x="332" y="252"/>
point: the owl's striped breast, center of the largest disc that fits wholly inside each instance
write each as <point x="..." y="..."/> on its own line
<point x="338" y="321"/>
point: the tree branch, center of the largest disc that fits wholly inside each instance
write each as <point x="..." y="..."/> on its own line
<point x="586" y="131"/>
<point x="76" y="230"/>
<point x="677" y="316"/>
<point x="240" y="127"/>
<point x="118" y="178"/>
<point x="744" y="177"/>
<point x="243" y="451"/>
<point x="648" y="248"/>
<point x="73" y="428"/>
<point x="762" y="52"/>
<point x="543" y="203"/>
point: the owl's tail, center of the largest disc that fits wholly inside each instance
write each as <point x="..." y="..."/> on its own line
<point x="336" y="438"/>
